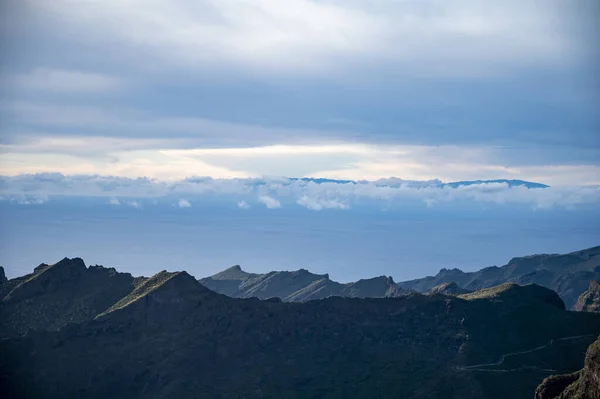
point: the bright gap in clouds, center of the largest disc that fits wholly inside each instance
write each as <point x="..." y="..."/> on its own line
<point x="116" y="157"/>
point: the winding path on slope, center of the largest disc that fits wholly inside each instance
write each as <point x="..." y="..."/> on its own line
<point x="485" y="366"/>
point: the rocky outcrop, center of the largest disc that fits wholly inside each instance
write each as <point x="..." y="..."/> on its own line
<point x="3" y="278"/>
<point x="584" y="384"/>
<point x="589" y="301"/>
<point x="568" y="275"/>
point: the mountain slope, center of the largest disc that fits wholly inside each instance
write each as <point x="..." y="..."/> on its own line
<point x="569" y="275"/>
<point x="171" y="337"/>
<point x="296" y="286"/>
<point x="589" y="301"/>
<point x="54" y="295"/>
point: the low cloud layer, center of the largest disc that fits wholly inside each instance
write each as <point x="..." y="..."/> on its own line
<point x="274" y="192"/>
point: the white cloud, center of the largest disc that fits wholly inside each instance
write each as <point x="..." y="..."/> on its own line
<point x="183" y="203"/>
<point x="243" y="204"/>
<point x="28" y="199"/>
<point x="134" y="204"/>
<point x="114" y="201"/>
<point x="275" y="192"/>
<point x="317" y="204"/>
<point x="269" y="202"/>
<point x="65" y="81"/>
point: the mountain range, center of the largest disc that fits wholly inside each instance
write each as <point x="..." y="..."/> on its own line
<point x="73" y="331"/>
<point x="394" y="182"/>
<point x="569" y="275"/>
<point x="296" y="286"/>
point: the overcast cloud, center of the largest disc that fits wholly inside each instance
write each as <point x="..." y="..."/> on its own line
<point x="455" y="90"/>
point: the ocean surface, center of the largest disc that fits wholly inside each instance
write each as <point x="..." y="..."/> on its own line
<point x="347" y="244"/>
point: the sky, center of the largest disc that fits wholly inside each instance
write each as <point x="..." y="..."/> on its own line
<point x="419" y="90"/>
<point x="153" y="134"/>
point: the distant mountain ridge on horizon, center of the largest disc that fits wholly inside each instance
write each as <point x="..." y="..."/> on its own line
<point x="567" y="274"/>
<point x="394" y="181"/>
<point x="391" y="181"/>
<point x="296" y="286"/>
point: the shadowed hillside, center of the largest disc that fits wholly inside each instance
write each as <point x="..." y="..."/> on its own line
<point x="169" y="336"/>
<point x="54" y="295"/>
<point x="569" y="275"/>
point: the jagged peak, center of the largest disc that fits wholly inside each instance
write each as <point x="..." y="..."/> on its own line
<point x="77" y="262"/>
<point x="234" y="272"/>
<point x="447" y="271"/>
<point x="3" y="278"/>
<point x="163" y="287"/>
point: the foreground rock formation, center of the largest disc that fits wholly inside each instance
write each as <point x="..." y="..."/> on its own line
<point x="584" y="384"/>
<point x="589" y="301"/>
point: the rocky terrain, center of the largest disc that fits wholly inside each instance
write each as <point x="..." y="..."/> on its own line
<point x="168" y="336"/>
<point x="296" y="286"/>
<point x="568" y="275"/>
<point x="589" y="301"/>
<point x="584" y="384"/>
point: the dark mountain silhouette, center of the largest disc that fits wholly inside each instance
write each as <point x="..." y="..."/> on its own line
<point x="169" y="336"/>
<point x="584" y="384"/>
<point x="569" y="275"/>
<point x="3" y="278"/>
<point x="589" y="301"/>
<point x="54" y="295"/>
<point x="296" y="286"/>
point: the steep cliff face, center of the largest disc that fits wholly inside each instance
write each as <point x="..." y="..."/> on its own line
<point x="589" y="301"/>
<point x="584" y="384"/>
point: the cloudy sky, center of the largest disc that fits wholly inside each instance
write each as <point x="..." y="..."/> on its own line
<point x="351" y="89"/>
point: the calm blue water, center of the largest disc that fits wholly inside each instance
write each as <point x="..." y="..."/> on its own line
<point x="347" y="244"/>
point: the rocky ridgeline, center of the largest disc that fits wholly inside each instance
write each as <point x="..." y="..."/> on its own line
<point x="107" y="334"/>
<point x="297" y="286"/>
<point x="568" y="275"/>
